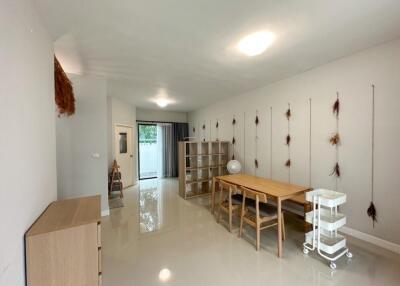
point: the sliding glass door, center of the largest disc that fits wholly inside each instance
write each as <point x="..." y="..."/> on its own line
<point x="158" y="148"/>
<point x="150" y="158"/>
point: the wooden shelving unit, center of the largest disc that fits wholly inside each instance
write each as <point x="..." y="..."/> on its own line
<point x="199" y="162"/>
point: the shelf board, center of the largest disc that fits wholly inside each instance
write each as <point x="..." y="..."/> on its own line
<point x="204" y="167"/>
<point x="196" y="168"/>
<point x="197" y="155"/>
<point x="197" y="181"/>
<point x="190" y="195"/>
<point x="204" y="155"/>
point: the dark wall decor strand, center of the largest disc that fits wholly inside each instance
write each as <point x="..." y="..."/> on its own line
<point x="371" y="211"/>
<point x="204" y="131"/>
<point x="217" y="129"/>
<point x="244" y="142"/>
<point x="256" y="121"/>
<point x="288" y="115"/>
<point x="335" y="140"/>
<point x="309" y="142"/>
<point x="233" y="137"/>
<point x="270" y="147"/>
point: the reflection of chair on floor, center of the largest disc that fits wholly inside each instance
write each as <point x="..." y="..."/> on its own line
<point x="258" y="214"/>
<point x="114" y="181"/>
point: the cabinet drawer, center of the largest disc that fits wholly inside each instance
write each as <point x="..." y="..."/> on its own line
<point x="99" y="234"/>
<point x="100" y="259"/>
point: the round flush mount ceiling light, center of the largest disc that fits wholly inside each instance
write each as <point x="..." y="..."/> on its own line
<point x="162" y="99"/>
<point x="162" y="102"/>
<point x="164" y="275"/>
<point x="256" y="43"/>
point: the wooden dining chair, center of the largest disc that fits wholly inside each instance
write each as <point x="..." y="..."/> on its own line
<point x="258" y="214"/>
<point x="232" y="203"/>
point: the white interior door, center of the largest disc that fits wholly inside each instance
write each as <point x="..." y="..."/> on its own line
<point x="124" y="153"/>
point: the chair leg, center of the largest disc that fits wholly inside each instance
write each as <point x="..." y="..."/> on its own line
<point x="241" y="224"/>
<point x="258" y="236"/>
<point x="230" y="218"/>
<point x="283" y="228"/>
<point x="219" y="206"/>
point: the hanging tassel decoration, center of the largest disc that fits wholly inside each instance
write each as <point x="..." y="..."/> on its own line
<point x="336" y="106"/>
<point x="217" y="125"/>
<point x="335" y="139"/>
<point x="233" y="121"/>
<point x="371" y="211"/>
<point x="233" y="141"/>
<point x="288" y="163"/>
<point x="256" y="163"/>
<point x="336" y="171"/>
<point x="233" y="156"/>
<point x="257" y="120"/>
<point x="288" y="139"/>
<point x="288" y="113"/>
<point x="204" y="126"/>
<point x="194" y="130"/>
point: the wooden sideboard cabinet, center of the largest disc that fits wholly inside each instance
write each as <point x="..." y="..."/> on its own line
<point x="63" y="247"/>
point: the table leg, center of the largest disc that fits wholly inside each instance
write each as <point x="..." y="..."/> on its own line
<point x="279" y="203"/>
<point x="213" y="195"/>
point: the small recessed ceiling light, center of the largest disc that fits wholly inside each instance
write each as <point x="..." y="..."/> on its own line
<point x="164" y="275"/>
<point x="255" y="44"/>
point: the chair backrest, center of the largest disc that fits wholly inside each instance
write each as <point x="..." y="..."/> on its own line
<point x="250" y="194"/>
<point x="226" y="187"/>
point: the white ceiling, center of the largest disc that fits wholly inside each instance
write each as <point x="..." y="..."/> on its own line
<point x="187" y="48"/>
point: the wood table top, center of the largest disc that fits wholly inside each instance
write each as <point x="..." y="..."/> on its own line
<point x="271" y="188"/>
<point x="67" y="213"/>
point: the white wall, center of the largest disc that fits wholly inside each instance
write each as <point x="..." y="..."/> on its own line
<point x="160" y="115"/>
<point x="352" y="77"/>
<point x="121" y="112"/>
<point x="79" y="137"/>
<point x="27" y="141"/>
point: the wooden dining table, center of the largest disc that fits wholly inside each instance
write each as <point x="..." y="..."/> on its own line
<point x="278" y="191"/>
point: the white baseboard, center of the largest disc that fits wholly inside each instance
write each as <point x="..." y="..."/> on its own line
<point x="371" y="239"/>
<point x="105" y="212"/>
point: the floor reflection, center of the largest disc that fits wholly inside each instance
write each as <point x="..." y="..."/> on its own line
<point x="150" y="205"/>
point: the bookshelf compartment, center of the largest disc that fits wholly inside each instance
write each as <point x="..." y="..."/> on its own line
<point x="215" y="148"/>
<point x="203" y="161"/>
<point x="203" y="174"/>
<point x="214" y="160"/>
<point x="191" y="175"/>
<point x="223" y="159"/>
<point x="214" y="172"/>
<point x="192" y="149"/>
<point x="204" y="148"/>
<point x="224" y="148"/>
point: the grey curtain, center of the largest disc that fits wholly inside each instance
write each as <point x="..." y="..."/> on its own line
<point x="172" y="133"/>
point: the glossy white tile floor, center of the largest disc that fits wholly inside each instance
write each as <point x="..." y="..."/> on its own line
<point x="157" y="238"/>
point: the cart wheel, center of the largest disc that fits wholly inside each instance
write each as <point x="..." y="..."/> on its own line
<point x="349" y="254"/>
<point x="305" y="250"/>
<point x="332" y="265"/>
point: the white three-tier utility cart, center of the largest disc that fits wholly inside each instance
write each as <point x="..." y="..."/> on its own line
<point x="326" y="221"/>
